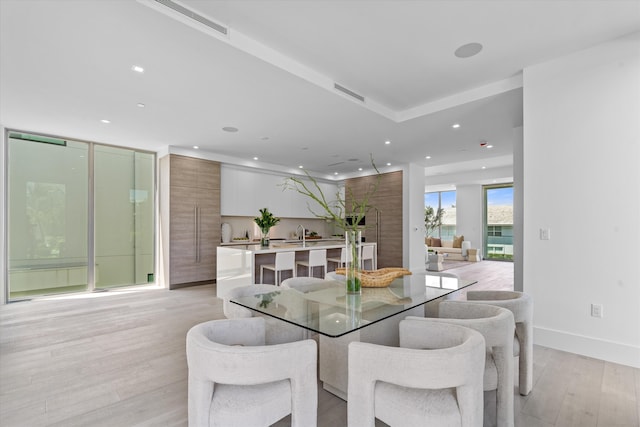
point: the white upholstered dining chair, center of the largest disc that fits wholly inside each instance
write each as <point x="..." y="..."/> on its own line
<point x="521" y="305"/>
<point x="497" y="326"/>
<point x="433" y="378"/>
<point x="237" y="380"/>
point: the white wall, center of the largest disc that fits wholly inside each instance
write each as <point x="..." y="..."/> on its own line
<point x="518" y="208"/>
<point x="469" y="207"/>
<point x="413" y="249"/>
<point x="3" y="231"/>
<point x="582" y="180"/>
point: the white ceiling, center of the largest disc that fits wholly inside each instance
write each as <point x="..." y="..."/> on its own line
<point x="65" y="65"/>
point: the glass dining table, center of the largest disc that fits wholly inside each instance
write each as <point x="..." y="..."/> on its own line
<point x="340" y="318"/>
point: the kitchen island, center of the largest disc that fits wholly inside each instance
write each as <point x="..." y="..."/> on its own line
<point x="239" y="265"/>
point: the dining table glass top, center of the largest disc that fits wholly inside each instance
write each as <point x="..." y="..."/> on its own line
<point x="330" y="311"/>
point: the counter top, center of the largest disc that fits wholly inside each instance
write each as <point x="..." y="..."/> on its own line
<point x="277" y="241"/>
<point x="291" y="245"/>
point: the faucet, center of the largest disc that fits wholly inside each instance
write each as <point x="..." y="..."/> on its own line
<point x="303" y="233"/>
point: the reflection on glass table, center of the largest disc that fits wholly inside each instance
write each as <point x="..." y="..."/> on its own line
<point x="332" y="312"/>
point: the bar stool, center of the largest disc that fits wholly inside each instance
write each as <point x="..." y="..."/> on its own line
<point x="284" y="261"/>
<point x="317" y="258"/>
<point x="345" y="256"/>
<point x="368" y="255"/>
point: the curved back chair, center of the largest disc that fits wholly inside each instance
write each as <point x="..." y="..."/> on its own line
<point x="237" y="380"/>
<point x="497" y="327"/>
<point x="434" y="378"/>
<point x="277" y="331"/>
<point x="521" y="305"/>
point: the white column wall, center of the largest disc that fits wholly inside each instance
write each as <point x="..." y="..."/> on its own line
<point x="413" y="250"/>
<point x="582" y="181"/>
<point x="3" y="231"/>
<point x="469" y="207"/>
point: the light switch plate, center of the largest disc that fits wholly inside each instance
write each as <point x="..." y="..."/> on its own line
<point x="545" y="234"/>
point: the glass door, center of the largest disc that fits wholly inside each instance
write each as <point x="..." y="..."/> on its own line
<point x="47" y="229"/>
<point x="81" y="216"/>
<point x="498" y="222"/>
<point x="124" y="216"/>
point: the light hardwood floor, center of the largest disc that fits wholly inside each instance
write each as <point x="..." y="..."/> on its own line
<point x="118" y="359"/>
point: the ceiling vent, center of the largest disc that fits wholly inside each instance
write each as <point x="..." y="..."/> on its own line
<point x="348" y="92"/>
<point x="194" y="16"/>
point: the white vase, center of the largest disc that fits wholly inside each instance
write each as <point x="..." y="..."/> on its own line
<point x="226" y="232"/>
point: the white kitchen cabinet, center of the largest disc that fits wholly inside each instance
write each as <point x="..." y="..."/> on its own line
<point x="244" y="192"/>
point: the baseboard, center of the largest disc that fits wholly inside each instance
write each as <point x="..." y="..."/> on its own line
<point x="610" y="351"/>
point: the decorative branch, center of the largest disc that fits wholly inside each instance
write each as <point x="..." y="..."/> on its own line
<point x="335" y="210"/>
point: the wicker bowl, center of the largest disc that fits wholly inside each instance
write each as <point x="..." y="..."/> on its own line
<point x="380" y="278"/>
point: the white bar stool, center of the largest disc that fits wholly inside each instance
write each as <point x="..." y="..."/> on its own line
<point x="284" y="261"/>
<point x="317" y="258"/>
<point x="368" y="255"/>
<point x="342" y="261"/>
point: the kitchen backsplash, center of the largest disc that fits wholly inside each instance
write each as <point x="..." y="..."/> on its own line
<point x="286" y="228"/>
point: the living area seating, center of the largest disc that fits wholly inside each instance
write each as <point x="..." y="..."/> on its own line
<point x="237" y="380"/>
<point x="433" y="378"/>
<point x="453" y="247"/>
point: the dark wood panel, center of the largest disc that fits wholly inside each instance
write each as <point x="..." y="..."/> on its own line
<point x="387" y="200"/>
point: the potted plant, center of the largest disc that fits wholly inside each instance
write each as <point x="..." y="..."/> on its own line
<point x="265" y="221"/>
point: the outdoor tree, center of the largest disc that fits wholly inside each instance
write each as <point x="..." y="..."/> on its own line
<point x="432" y="219"/>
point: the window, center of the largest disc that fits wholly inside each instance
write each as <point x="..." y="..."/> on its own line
<point x="498" y="222"/>
<point x="57" y="244"/>
<point x="445" y="200"/>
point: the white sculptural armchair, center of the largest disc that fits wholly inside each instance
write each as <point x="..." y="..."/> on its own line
<point x="237" y="380"/>
<point x="497" y="326"/>
<point x="521" y="305"/>
<point x="433" y="378"/>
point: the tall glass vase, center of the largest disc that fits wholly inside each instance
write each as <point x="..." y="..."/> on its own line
<point x="264" y="240"/>
<point x="352" y="267"/>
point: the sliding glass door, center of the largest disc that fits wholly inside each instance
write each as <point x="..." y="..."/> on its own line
<point x="498" y="222"/>
<point x="66" y="235"/>
<point x="124" y="220"/>
<point x="47" y="215"/>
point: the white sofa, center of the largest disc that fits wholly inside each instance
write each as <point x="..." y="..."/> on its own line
<point x="446" y="247"/>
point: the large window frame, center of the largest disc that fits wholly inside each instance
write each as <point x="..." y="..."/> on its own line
<point x="444" y="198"/>
<point x="87" y="271"/>
<point x="497" y="237"/>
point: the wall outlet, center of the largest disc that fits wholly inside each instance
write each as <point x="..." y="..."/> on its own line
<point x="596" y="310"/>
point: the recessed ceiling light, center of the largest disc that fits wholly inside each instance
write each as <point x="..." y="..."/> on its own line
<point x="484" y="167"/>
<point x="140" y="104"/>
<point x="489" y="146"/>
<point x="335" y="173"/>
<point x="301" y="167"/>
<point x="427" y="157"/>
<point x="455" y="125"/>
<point x="255" y="158"/>
<point x="387" y="142"/>
<point x="195" y="147"/>
<point x="388" y="164"/>
<point x="468" y="50"/>
<point x="137" y="69"/>
<point x="230" y="129"/>
<point x="105" y="121"/>
<point x="359" y="169"/>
